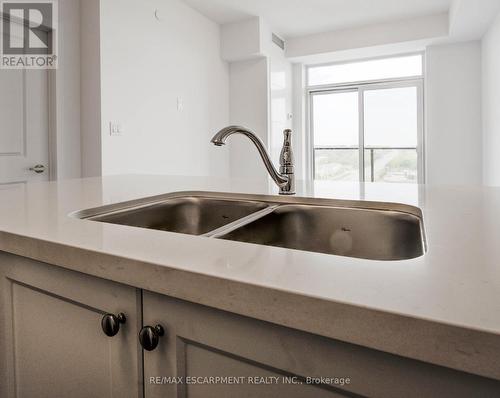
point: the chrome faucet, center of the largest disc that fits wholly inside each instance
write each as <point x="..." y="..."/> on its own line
<point x="285" y="179"/>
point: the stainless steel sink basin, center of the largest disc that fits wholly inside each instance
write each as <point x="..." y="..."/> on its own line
<point x="187" y="215"/>
<point x="361" y="233"/>
<point x="369" y="230"/>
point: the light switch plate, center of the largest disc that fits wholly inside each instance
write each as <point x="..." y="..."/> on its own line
<point x="180" y="104"/>
<point x="115" y="128"/>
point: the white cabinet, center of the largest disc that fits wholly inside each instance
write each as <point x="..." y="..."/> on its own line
<point x="52" y="345"/>
<point x="51" y="340"/>
<point x="203" y="342"/>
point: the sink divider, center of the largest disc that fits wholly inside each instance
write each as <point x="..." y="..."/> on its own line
<point x="225" y="229"/>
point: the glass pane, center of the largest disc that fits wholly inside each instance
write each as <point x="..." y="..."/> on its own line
<point x="368" y="169"/>
<point x="335" y="119"/>
<point x="391" y="118"/>
<point x="391" y="165"/>
<point x="336" y="164"/>
<point x="376" y="69"/>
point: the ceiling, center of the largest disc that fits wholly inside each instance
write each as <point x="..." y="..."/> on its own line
<point x="292" y="18"/>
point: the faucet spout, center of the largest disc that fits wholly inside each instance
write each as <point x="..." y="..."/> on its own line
<point x="285" y="178"/>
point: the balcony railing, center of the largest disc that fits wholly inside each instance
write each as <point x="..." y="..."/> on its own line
<point x="397" y="164"/>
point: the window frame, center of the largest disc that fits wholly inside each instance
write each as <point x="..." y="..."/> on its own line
<point x="361" y="87"/>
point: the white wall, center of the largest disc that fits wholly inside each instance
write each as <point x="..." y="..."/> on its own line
<point x="453" y="114"/>
<point x="67" y="92"/>
<point x="280" y="86"/>
<point x="491" y="104"/>
<point x="260" y="94"/>
<point x="249" y="107"/>
<point x="241" y="40"/>
<point x="299" y="112"/>
<point x="147" y="67"/>
<point x="261" y="100"/>
<point x="406" y="30"/>
<point x="90" y="88"/>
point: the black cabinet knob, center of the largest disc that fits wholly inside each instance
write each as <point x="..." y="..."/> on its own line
<point x="150" y="336"/>
<point x="111" y="323"/>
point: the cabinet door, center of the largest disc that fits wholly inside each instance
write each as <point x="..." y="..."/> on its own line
<point x="51" y="340"/>
<point x="201" y="342"/>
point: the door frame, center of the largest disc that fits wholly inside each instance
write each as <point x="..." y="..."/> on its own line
<point x="52" y="123"/>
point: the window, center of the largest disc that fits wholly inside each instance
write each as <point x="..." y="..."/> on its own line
<point x="369" y="131"/>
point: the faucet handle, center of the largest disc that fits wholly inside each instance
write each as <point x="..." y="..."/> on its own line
<point x="286" y="156"/>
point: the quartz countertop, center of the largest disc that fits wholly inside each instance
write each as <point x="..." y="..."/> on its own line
<point x="443" y="307"/>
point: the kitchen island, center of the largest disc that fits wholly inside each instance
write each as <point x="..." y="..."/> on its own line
<point x="441" y="309"/>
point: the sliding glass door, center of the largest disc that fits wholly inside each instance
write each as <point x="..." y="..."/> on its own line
<point x="336" y="135"/>
<point x="371" y="132"/>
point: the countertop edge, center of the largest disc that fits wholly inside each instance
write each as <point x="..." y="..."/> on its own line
<point x="455" y="347"/>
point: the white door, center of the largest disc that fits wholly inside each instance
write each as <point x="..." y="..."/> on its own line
<point x="23" y="126"/>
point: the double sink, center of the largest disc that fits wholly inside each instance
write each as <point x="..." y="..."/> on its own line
<point x="368" y="230"/>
